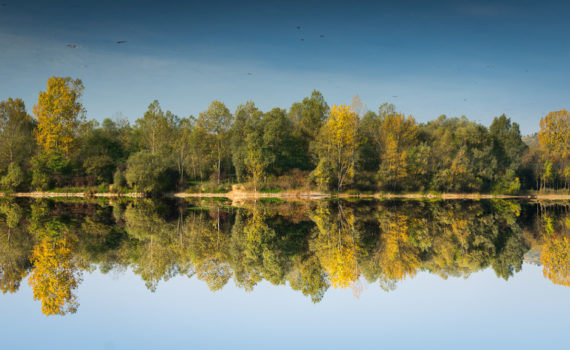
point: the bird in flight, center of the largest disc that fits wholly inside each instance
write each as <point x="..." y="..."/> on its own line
<point x="4" y="4"/>
<point x="302" y="39"/>
<point x="298" y="27"/>
<point x="248" y="73"/>
<point x="72" y="46"/>
<point x="322" y="35"/>
<point x="121" y="42"/>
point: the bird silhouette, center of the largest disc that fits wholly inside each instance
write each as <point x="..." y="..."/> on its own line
<point x="121" y="42"/>
<point x="72" y="46"/>
<point x="302" y="39"/>
<point x="248" y="73"/>
<point x="322" y="35"/>
<point x="4" y="4"/>
<point x="298" y="27"/>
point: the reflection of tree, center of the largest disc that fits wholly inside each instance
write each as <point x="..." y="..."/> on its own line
<point x="308" y="276"/>
<point x="158" y="251"/>
<point x="55" y="276"/>
<point x="209" y="250"/>
<point x="15" y="244"/>
<point x="335" y="245"/>
<point x="256" y="250"/>
<point x="397" y="256"/>
<point x="555" y="259"/>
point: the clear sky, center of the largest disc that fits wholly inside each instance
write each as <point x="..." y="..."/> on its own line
<point x="427" y="312"/>
<point x="473" y="58"/>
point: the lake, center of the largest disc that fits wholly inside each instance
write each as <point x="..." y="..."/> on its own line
<point x="211" y="274"/>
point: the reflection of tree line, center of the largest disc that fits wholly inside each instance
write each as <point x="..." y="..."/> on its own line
<point x="310" y="247"/>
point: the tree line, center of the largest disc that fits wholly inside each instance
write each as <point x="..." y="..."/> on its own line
<point x="308" y="146"/>
<point x="309" y="247"/>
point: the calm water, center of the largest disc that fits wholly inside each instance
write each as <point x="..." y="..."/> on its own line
<point x="207" y="275"/>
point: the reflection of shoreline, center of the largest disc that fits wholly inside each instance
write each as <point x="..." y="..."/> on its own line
<point x="305" y="195"/>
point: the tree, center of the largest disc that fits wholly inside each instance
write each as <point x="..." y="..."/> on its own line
<point x="59" y="114"/>
<point x="16" y="133"/>
<point x="554" y="140"/>
<point x="146" y="172"/>
<point x="554" y="135"/>
<point x="246" y="116"/>
<point x="397" y="134"/>
<point x="337" y="145"/>
<point x="308" y="117"/>
<point x="257" y="157"/>
<point x="217" y="120"/>
<point x="156" y="130"/>
<point x="13" y="178"/>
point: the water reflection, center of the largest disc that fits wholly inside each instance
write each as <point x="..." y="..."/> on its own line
<point x="308" y="246"/>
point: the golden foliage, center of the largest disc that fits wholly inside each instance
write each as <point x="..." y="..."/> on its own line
<point x="338" y="142"/>
<point x="554" y="135"/>
<point x="58" y="114"/>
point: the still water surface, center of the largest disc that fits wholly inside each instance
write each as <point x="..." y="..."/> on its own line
<point x="207" y="275"/>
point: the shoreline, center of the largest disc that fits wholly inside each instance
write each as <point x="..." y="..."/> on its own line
<point x="288" y="195"/>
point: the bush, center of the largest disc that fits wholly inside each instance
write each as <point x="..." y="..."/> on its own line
<point x="147" y="172"/>
<point x="508" y="183"/>
<point x="13" y="178"/>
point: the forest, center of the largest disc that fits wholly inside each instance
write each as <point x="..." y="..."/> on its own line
<point x="310" y="146"/>
<point x="307" y="246"/>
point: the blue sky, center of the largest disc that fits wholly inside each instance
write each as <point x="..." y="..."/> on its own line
<point x="117" y="312"/>
<point x="478" y="59"/>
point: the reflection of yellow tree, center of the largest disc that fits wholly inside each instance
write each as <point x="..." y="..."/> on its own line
<point x="398" y="257"/>
<point x="54" y="277"/>
<point x="555" y="259"/>
<point x="336" y="247"/>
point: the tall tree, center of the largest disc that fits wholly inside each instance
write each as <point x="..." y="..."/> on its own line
<point x="554" y="140"/>
<point x="337" y="145"/>
<point x="308" y="116"/>
<point x="59" y="115"/>
<point x="245" y="117"/>
<point x="217" y="120"/>
<point x="16" y="133"/>
<point x="398" y="134"/>
<point x="156" y="130"/>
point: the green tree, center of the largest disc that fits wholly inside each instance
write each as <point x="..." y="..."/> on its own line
<point x="147" y="172"/>
<point x="16" y="133"/>
<point x="13" y="178"/>
<point x="216" y="121"/>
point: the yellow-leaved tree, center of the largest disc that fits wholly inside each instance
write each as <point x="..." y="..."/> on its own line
<point x="336" y="148"/>
<point x="554" y="140"/>
<point x="398" y="133"/>
<point x="59" y="114"/>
